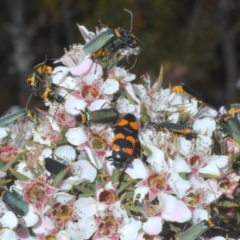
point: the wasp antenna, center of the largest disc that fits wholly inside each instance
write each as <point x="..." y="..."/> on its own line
<point x="131" y="18"/>
<point x="28" y="101"/>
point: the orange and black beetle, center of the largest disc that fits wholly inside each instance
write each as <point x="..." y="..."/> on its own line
<point x="124" y="142"/>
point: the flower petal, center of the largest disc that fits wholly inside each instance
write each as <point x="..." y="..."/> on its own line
<point x="9" y="220"/>
<point x="130" y="230"/>
<point x="76" y="136"/>
<point x="74" y="105"/>
<point x="84" y="170"/>
<point x="139" y="171"/>
<point x="110" y="86"/>
<point x="174" y="209"/>
<point x="153" y="225"/>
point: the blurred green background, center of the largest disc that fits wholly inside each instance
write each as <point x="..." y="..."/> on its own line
<point x="197" y="41"/>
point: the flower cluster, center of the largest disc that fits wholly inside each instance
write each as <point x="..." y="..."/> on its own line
<point x="181" y="170"/>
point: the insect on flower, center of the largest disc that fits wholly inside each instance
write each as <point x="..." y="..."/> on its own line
<point x="124" y="142"/>
<point x="107" y="115"/>
<point x="231" y="126"/>
<point x="40" y="83"/>
<point x="112" y="45"/>
<point x="10" y="118"/>
<point x="55" y="167"/>
<point x="175" y="128"/>
<point x="197" y="230"/>
<point x="185" y="89"/>
<point x="14" y="202"/>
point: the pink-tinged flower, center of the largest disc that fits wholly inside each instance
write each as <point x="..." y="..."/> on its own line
<point x="81" y="229"/>
<point x="68" y="213"/>
<point x="37" y="191"/>
<point x="89" y="89"/>
<point x="120" y="74"/>
<point x="154" y="100"/>
<point x="174" y="209"/>
<point x="202" y="193"/>
<point x="76" y="61"/>
<point x="228" y="184"/>
<point x="99" y="140"/>
<point x="158" y="139"/>
<point x="157" y="177"/>
<point x="106" y="195"/>
<point x="47" y="133"/>
<point x="154" y="221"/>
<point x="45" y="225"/>
<point x="198" y="163"/>
<point x="8" y="153"/>
<point x="63" y="119"/>
<point x="114" y="224"/>
<point x="155" y="182"/>
<point x="153" y="225"/>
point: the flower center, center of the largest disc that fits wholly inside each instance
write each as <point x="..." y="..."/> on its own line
<point x="157" y="182"/>
<point x="108" y="226"/>
<point x="50" y="238"/>
<point x="36" y="193"/>
<point x="62" y="212"/>
<point x="90" y="91"/>
<point x="97" y="142"/>
<point x="108" y="197"/>
<point x="194" y="198"/>
<point x="195" y="160"/>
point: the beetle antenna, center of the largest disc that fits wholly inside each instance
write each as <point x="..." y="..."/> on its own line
<point x="131" y="18"/>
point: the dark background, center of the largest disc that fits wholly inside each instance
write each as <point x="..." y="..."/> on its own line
<point x="197" y="41"/>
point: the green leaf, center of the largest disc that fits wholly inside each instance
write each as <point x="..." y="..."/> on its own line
<point x="115" y="176"/>
<point x="184" y="117"/>
<point x="130" y="99"/>
<point x="208" y="175"/>
<point x="159" y="79"/>
<point x="18" y="156"/>
<point x="60" y="176"/>
<point x="18" y="175"/>
<point x="235" y="156"/>
<point x="227" y="204"/>
<point x="144" y="114"/>
<point x="146" y="149"/>
<point x="134" y="208"/>
<point x="4" y="182"/>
